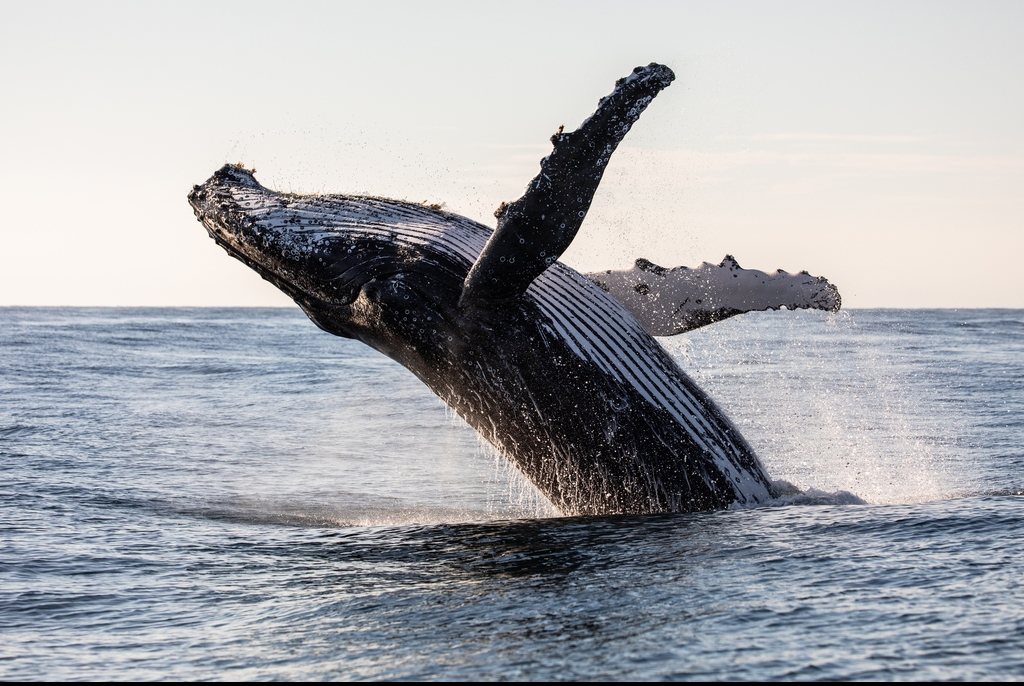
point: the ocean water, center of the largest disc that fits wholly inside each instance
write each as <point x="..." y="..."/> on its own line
<point x="233" y="494"/>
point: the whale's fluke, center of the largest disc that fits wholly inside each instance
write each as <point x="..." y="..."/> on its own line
<point x="671" y="301"/>
<point x="536" y="229"/>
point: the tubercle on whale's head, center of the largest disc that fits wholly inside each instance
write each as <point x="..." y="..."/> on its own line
<point x="253" y="225"/>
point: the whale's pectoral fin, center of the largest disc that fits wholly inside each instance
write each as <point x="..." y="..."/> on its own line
<point x="671" y="301"/>
<point x="536" y="229"/>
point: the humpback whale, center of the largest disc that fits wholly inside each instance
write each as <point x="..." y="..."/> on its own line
<point x="556" y="369"/>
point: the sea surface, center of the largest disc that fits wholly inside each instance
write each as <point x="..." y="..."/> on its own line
<point x="233" y="494"/>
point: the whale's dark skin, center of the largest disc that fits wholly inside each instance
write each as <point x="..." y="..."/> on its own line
<point x="541" y="362"/>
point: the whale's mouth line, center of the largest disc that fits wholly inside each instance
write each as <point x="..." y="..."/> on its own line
<point x="226" y="237"/>
<point x="267" y="273"/>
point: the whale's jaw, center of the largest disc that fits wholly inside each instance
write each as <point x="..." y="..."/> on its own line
<point x="223" y="205"/>
<point x="297" y="255"/>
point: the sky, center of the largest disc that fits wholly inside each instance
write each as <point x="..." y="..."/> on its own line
<point x="880" y="144"/>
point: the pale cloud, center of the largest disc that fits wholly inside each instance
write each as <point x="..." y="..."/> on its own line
<point x="859" y="156"/>
<point x="909" y="163"/>
<point x="822" y="137"/>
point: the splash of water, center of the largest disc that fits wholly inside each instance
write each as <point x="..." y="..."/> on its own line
<point x="828" y="405"/>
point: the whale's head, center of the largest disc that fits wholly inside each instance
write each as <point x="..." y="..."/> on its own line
<point x="323" y="250"/>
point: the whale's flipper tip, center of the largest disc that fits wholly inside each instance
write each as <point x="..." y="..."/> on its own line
<point x="831" y="300"/>
<point x="536" y="229"/>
